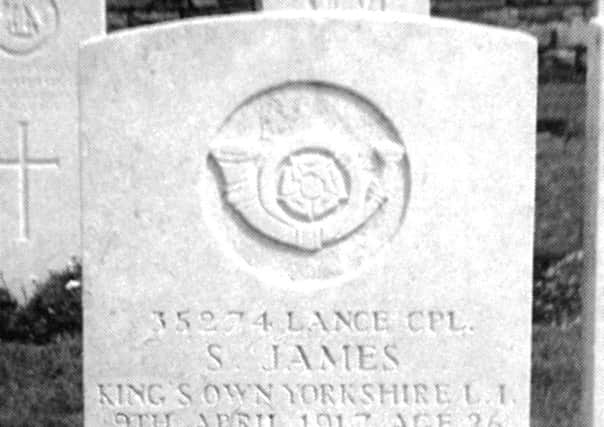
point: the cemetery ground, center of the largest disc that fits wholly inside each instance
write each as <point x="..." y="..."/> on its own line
<point x="41" y="348"/>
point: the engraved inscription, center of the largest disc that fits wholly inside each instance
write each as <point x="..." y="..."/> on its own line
<point x="26" y="24"/>
<point x="359" y="369"/>
<point x="23" y="165"/>
<point x="419" y="323"/>
<point x="307" y="404"/>
<point x="348" y="4"/>
<point x="300" y="356"/>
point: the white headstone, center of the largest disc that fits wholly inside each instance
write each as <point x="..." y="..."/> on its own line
<point x="39" y="150"/>
<point x="409" y="6"/>
<point x="308" y="220"/>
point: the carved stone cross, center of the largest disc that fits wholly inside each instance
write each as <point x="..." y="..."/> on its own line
<point x="23" y="164"/>
<point x="40" y="196"/>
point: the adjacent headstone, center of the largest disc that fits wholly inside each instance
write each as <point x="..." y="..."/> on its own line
<point x="409" y="6"/>
<point x="593" y="285"/>
<point x="279" y="233"/>
<point x="39" y="150"/>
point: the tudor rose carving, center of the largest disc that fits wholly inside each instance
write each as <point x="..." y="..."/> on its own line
<point x="311" y="185"/>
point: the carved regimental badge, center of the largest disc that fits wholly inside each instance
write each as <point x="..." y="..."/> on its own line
<point x="310" y="192"/>
<point x="305" y="182"/>
<point x="25" y="25"/>
<point x="317" y="168"/>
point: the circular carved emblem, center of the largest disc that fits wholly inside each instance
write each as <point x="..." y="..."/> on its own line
<point x="308" y="169"/>
<point x="25" y="25"/>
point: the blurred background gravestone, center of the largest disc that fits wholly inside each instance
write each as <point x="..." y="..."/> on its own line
<point x="39" y="149"/>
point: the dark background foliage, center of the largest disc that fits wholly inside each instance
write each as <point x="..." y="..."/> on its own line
<point x="53" y="311"/>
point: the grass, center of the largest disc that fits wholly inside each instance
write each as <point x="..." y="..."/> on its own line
<point x="560" y="193"/>
<point x="556" y="377"/>
<point x="41" y="385"/>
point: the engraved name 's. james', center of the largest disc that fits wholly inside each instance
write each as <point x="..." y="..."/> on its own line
<point x="25" y="25"/>
<point x="311" y="191"/>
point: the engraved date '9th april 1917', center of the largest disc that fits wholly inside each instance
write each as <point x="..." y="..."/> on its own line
<point x="369" y="404"/>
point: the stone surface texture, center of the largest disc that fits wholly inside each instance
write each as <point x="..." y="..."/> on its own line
<point x="328" y="222"/>
<point x="409" y="6"/>
<point x="39" y="150"/>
